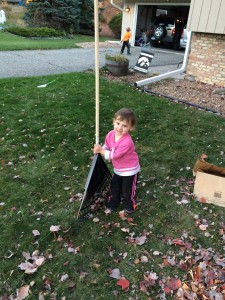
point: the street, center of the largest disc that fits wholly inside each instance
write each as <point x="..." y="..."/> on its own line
<point x="45" y="62"/>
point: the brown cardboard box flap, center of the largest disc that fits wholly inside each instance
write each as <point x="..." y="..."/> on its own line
<point x="203" y="166"/>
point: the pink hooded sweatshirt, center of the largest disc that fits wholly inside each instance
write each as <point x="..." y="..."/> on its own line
<point x="122" y="154"/>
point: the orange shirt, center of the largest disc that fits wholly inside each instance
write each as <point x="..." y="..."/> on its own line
<point x="126" y="36"/>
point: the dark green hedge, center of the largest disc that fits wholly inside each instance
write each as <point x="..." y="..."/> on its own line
<point x="39" y="32"/>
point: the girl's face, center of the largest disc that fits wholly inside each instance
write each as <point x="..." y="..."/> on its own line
<point x="121" y="127"/>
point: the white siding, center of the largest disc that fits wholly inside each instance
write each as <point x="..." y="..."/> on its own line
<point x="207" y="16"/>
<point x="212" y="22"/>
<point x="220" y="25"/>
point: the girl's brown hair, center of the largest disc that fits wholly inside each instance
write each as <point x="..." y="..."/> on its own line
<point x="127" y="115"/>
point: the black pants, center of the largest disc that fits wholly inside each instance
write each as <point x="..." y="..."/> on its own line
<point x="126" y="44"/>
<point x="123" y="187"/>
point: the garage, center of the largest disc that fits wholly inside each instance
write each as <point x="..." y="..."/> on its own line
<point x="147" y="14"/>
<point x="140" y="16"/>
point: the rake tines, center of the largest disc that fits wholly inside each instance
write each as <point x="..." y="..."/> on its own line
<point x="96" y="188"/>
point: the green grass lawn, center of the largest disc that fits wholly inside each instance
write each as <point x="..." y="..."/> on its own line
<point x="12" y="42"/>
<point x="47" y="135"/>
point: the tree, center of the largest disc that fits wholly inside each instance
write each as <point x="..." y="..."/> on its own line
<point x="115" y="24"/>
<point x="86" y="17"/>
<point x="73" y="16"/>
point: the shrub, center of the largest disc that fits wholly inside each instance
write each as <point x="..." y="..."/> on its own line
<point x="115" y="25"/>
<point x="39" y="32"/>
<point x="118" y="58"/>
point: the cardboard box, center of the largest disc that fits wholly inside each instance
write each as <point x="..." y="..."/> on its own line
<point x="210" y="188"/>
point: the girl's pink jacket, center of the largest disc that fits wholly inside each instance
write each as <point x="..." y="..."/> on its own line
<point x="122" y="154"/>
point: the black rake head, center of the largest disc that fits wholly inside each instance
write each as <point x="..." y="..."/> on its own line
<point x="97" y="188"/>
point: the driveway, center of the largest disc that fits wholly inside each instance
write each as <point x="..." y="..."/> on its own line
<point x="45" y="62"/>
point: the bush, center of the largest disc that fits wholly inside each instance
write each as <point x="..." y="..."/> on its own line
<point x="115" y="25"/>
<point x="118" y="58"/>
<point x="39" y="32"/>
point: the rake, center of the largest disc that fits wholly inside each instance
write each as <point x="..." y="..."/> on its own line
<point x="98" y="181"/>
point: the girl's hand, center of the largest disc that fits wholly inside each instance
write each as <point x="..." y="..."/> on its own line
<point x="97" y="149"/>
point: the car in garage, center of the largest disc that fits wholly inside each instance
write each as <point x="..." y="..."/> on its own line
<point x="167" y="30"/>
<point x="184" y="37"/>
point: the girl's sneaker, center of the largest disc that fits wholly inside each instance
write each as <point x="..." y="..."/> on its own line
<point x="128" y="211"/>
<point x="109" y="211"/>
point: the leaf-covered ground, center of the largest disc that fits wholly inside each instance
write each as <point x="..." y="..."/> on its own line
<point x="172" y="247"/>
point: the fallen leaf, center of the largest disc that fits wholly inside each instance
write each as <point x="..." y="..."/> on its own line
<point x="150" y="276"/>
<point x="35" y="232"/>
<point x="59" y="238"/>
<point x="55" y="228"/>
<point x="203" y="226"/>
<point x="83" y="274"/>
<point x="23" y="292"/>
<point x="166" y="289"/>
<point x="41" y="297"/>
<point x="71" y="284"/>
<point x="136" y="261"/>
<point x="64" y="277"/>
<point x="115" y="273"/>
<point x="156" y="253"/>
<point x="140" y="240"/>
<point x="67" y="230"/>
<point x="107" y="211"/>
<point x="171" y="261"/>
<point x="197" y="273"/>
<point x="30" y="271"/>
<point x="207" y="234"/>
<point x="96" y="220"/>
<point x="144" y="259"/>
<point x="178" y="242"/>
<point x="40" y="261"/>
<point x="96" y="266"/>
<point x="71" y="249"/>
<point x="124" y="283"/>
<point x="165" y="262"/>
<point x="67" y="188"/>
<point x="35" y="254"/>
<point x="125" y="229"/>
<point x="174" y="283"/>
<point x="26" y="255"/>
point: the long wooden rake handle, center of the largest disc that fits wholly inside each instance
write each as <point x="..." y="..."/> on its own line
<point x="96" y="26"/>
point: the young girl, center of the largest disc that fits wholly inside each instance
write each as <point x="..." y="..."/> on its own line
<point x="119" y="149"/>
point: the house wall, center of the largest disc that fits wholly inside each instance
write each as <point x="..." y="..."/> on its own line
<point x="207" y="16"/>
<point x="129" y="19"/>
<point x="207" y="58"/>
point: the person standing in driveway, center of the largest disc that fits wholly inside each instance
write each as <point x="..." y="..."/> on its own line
<point x="126" y="41"/>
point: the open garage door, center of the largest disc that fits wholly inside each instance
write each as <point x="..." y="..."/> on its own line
<point x="147" y="15"/>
